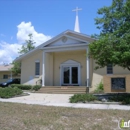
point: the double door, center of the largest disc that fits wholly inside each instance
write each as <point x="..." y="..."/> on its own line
<point x="70" y="75"/>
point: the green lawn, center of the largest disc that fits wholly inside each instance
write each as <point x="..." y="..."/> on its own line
<point x="15" y="116"/>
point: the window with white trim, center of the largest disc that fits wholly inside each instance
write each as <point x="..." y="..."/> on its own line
<point x="109" y="69"/>
<point x="37" y="68"/>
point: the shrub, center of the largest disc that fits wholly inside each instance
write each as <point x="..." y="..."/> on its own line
<point x="36" y="87"/>
<point x="21" y="86"/>
<point x="124" y="98"/>
<point x="99" y="88"/>
<point x="9" y="92"/>
<point x="82" y="98"/>
<point x="126" y="101"/>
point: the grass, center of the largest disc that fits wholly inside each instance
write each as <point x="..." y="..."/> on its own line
<point x="15" y="116"/>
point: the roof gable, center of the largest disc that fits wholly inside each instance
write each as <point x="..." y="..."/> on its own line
<point x="64" y="41"/>
<point x="66" y="38"/>
<point x="72" y="37"/>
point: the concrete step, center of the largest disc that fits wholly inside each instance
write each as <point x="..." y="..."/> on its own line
<point x="63" y="90"/>
<point x="56" y="92"/>
<point x="63" y="87"/>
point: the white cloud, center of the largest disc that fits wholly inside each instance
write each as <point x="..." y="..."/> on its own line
<point x="26" y="28"/>
<point x="8" y="52"/>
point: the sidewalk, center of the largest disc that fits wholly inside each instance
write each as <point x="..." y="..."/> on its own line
<point x="61" y="100"/>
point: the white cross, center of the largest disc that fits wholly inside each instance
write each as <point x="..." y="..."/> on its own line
<point x="76" y="10"/>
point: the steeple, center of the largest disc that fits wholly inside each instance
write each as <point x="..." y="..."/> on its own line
<point x="77" y="28"/>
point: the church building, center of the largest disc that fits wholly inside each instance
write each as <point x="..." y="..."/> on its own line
<point x="63" y="61"/>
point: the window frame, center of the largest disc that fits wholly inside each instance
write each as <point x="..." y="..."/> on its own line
<point x="37" y="70"/>
<point x="109" y="69"/>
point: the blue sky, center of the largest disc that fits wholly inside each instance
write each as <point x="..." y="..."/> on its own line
<point x="43" y="18"/>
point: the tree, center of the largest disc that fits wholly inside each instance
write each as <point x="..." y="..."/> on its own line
<point x="29" y="45"/>
<point x="16" y="68"/>
<point x="113" y="44"/>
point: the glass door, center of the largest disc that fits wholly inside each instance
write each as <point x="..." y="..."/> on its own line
<point x="66" y="75"/>
<point x="74" y="75"/>
<point x="70" y="75"/>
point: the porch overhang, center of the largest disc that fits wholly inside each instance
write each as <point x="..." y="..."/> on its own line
<point x="65" y="48"/>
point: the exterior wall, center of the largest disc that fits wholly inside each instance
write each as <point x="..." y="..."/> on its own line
<point x="4" y="73"/>
<point x="107" y="83"/>
<point x="60" y="57"/>
<point x="52" y="68"/>
<point x="28" y="68"/>
<point x="97" y="75"/>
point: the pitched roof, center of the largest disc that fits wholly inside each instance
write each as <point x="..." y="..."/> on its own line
<point x="5" y="67"/>
<point x="67" y="32"/>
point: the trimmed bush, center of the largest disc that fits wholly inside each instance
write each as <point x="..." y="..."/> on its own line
<point x="21" y="86"/>
<point x="82" y="98"/>
<point x="26" y="87"/>
<point x="36" y="87"/>
<point x="9" y="92"/>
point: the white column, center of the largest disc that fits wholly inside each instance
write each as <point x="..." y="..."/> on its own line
<point x="11" y="75"/>
<point x="43" y="69"/>
<point x="87" y="66"/>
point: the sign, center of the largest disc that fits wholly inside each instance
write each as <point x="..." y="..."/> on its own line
<point x="124" y="124"/>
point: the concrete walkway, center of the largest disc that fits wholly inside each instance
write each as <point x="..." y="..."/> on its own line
<point x="61" y="100"/>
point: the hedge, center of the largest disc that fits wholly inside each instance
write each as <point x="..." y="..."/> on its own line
<point x="9" y="92"/>
<point x="26" y="87"/>
<point x="21" y="86"/>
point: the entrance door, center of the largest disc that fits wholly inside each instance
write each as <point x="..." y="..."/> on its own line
<point x="70" y="75"/>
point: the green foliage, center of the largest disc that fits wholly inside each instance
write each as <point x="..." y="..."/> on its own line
<point x="82" y="98"/>
<point x="22" y="87"/>
<point x="26" y="87"/>
<point x="29" y="45"/>
<point x="113" y="46"/>
<point x="124" y="98"/>
<point x="126" y="101"/>
<point x="99" y="88"/>
<point x="36" y="87"/>
<point x="9" y="92"/>
<point x="16" y="69"/>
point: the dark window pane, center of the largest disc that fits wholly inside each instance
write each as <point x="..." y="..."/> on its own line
<point x="66" y="74"/>
<point x="109" y="69"/>
<point x="37" y="68"/>
<point x="118" y="83"/>
<point x="74" y="75"/>
<point x="5" y="76"/>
